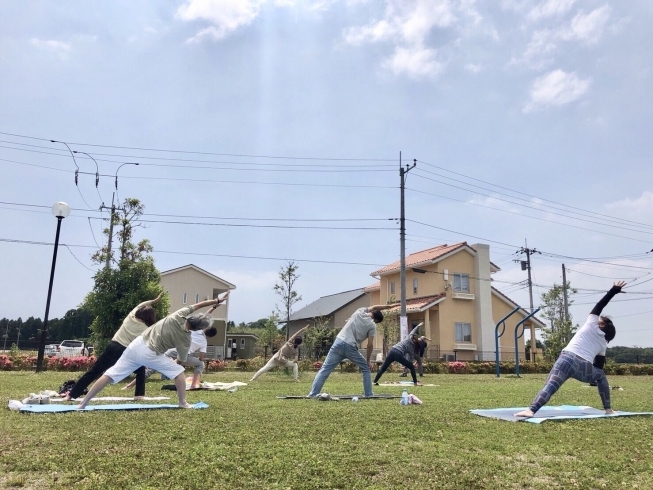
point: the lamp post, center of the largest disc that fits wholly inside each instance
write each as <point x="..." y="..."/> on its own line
<point x="128" y="163"/>
<point x="60" y="210"/>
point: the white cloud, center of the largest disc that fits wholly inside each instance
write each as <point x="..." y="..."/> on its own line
<point x="416" y="62"/>
<point x="642" y="206"/>
<point x="587" y="28"/>
<point x="225" y="16"/>
<point x="555" y="89"/>
<point x="408" y="25"/>
<point x="57" y="48"/>
<point x="550" y="8"/>
<point x="150" y="30"/>
<point x="473" y="68"/>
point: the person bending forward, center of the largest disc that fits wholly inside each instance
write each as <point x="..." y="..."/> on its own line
<point x="284" y="355"/>
<point x="403" y="352"/>
<point x="173" y="332"/>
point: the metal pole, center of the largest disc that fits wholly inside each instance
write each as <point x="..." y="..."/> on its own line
<point x="113" y="210"/>
<point x="402" y="252"/>
<point x="517" y="337"/>
<point x="500" y="323"/>
<point x="44" y="330"/>
<point x="403" y="322"/>
<point x="530" y="282"/>
<point x="564" y="292"/>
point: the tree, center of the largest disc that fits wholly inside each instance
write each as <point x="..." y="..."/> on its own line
<point x="319" y="338"/>
<point x="125" y="219"/>
<point x="287" y="276"/>
<point x="270" y="333"/>
<point x="561" y="329"/>
<point x="117" y="291"/>
<point x="538" y="345"/>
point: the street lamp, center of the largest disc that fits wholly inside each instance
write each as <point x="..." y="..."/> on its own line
<point x="60" y="211"/>
<point x="128" y="163"/>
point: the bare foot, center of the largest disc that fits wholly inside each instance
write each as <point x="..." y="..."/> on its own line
<point x="81" y="406"/>
<point x="526" y="414"/>
<point x="125" y="387"/>
<point x="418" y="384"/>
<point x="185" y="405"/>
<point x="66" y="398"/>
<point x="251" y="380"/>
<point x="296" y="381"/>
<point x="195" y="387"/>
<point x="609" y="411"/>
<point x="139" y="398"/>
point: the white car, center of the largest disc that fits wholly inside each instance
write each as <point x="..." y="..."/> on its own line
<point x="51" y="350"/>
<point x="71" y="348"/>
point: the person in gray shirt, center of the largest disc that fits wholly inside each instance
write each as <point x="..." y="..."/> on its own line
<point x="360" y="326"/>
<point x="403" y="352"/>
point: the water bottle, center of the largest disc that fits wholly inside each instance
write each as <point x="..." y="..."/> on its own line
<point x="404" y="397"/>
<point x="354" y="399"/>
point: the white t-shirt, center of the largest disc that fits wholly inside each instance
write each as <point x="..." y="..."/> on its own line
<point x="197" y="342"/>
<point x="359" y="327"/>
<point x="589" y="341"/>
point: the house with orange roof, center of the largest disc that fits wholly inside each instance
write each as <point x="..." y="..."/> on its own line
<point x="449" y="288"/>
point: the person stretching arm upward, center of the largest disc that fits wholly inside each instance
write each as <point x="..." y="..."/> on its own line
<point x="284" y="355"/>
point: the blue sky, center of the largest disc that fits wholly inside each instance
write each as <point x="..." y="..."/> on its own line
<point x="530" y="120"/>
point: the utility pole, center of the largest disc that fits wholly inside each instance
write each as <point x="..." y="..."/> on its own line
<point x="526" y="266"/>
<point x="113" y="212"/>
<point x="403" y="321"/>
<point x="564" y="292"/>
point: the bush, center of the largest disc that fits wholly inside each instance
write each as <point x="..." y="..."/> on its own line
<point x="81" y="363"/>
<point x="216" y="365"/>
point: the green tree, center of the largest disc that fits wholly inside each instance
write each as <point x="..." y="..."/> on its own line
<point x="285" y="289"/>
<point x="270" y="333"/>
<point x="319" y="338"/>
<point x="135" y="279"/>
<point x="560" y="330"/>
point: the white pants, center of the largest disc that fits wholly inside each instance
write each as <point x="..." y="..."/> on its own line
<point x="138" y="354"/>
<point x="274" y="362"/>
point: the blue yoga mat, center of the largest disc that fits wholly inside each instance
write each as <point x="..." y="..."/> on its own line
<point x="118" y="406"/>
<point x="562" y="412"/>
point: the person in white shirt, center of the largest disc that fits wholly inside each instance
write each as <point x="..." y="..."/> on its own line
<point x="286" y="356"/>
<point x="583" y="358"/>
<point x="195" y="359"/>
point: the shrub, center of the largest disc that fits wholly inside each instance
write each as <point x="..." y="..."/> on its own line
<point x="317" y="365"/>
<point x="80" y="363"/>
<point x="216" y="365"/>
<point x="457" y="367"/>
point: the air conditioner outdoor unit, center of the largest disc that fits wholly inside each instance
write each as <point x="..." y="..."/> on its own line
<point x="450" y="357"/>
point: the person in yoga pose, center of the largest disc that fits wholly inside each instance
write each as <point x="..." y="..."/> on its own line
<point x="132" y="326"/>
<point x="286" y="356"/>
<point x="148" y="349"/>
<point x="403" y="352"/>
<point x="583" y="358"/>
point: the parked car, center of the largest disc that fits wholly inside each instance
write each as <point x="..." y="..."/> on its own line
<point x="71" y="348"/>
<point x="51" y="350"/>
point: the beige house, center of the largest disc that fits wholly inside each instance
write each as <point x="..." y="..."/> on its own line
<point x="188" y="285"/>
<point x="449" y="288"/>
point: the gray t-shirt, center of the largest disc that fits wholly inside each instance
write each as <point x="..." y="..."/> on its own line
<point x="359" y="327"/>
<point x="170" y="333"/>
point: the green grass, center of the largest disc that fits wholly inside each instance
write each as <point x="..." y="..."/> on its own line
<point x="249" y="439"/>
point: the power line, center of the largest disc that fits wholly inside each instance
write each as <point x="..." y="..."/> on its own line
<point x="211" y="153"/>
<point x="529" y="195"/>
<point x="80" y="262"/>
<point x="459" y="233"/>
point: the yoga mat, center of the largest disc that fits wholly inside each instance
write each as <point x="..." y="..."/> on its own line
<point x="119" y="406"/>
<point x="208" y="386"/>
<point x="341" y="397"/>
<point x="562" y="412"/>
<point x="113" y="399"/>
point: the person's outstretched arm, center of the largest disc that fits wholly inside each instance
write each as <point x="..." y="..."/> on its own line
<point x="151" y="301"/>
<point x="616" y="289"/>
<point x="211" y="302"/>
<point x="379" y="307"/>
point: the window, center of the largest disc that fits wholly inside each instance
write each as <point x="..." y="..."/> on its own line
<point x="197" y="297"/>
<point x="415" y="286"/>
<point x="392" y="287"/>
<point x="463" y="332"/>
<point x="185" y="299"/>
<point x="242" y="343"/>
<point x="461" y="283"/>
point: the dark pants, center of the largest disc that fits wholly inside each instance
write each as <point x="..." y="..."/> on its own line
<point x="396" y="356"/>
<point x="108" y="358"/>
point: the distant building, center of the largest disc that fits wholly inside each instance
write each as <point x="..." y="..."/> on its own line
<point x="241" y="345"/>
<point x="190" y="284"/>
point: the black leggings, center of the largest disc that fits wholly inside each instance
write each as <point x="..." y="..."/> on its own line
<point x="395" y="356"/>
<point x="109" y="357"/>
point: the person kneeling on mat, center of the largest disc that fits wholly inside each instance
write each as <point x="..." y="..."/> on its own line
<point x="173" y="332"/>
<point x="403" y="352"/>
<point x="583" y="358"/>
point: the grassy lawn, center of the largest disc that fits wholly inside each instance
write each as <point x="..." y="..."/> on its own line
<point x="249" y="439"/>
